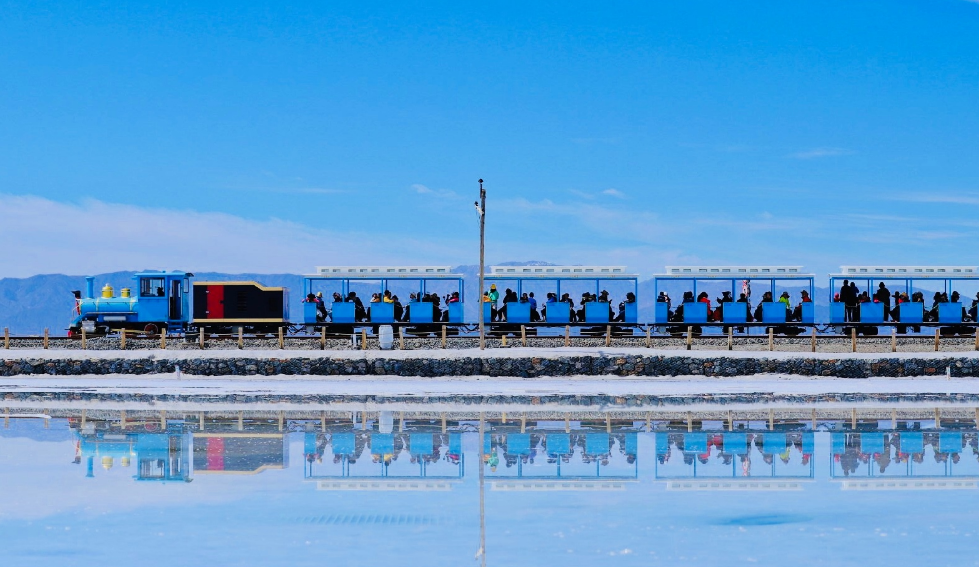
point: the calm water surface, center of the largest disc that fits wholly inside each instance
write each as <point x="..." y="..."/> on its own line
<point x="98" y="494"/>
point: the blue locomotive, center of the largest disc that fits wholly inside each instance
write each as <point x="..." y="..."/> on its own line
<point x="171" y="302"/>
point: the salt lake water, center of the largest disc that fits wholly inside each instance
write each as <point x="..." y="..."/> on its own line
<point x="83" y="491"/>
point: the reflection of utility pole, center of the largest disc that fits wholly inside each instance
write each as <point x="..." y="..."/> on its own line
<point x="482" y="491"/>
<point x="481" y="210"/>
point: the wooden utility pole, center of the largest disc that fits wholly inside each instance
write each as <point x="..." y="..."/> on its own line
<point x="481" y="209"/>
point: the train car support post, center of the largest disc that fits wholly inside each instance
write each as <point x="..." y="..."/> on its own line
<point x="241" y="338"/>
<point x="122" y="339"/>
<point x="84" y="342"/>
<point x="730" y="338"/>
<point x="814" y="339"/>
<point x="937" y="338"/>
<point x="523" y="335"/>
<point x="444" y="336"/>
<point x="282" y="338"/>
<point x="202" y="338"/>
<point x="608" y="336"/>
<point x="163" y="338"/>
<point x="853" y="339"/>
<point x="771" y="338"/>
<point x="46" y="339"/>
<point x="323" y="338"/>
<point x="689" y="337"/>
<point x="567" y="335"/>
<point x="893" y="340"/>
<point x="401" y="338"/>
<point x="6" y="338"/>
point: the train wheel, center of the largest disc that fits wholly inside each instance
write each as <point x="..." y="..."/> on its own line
<point x="151" y="329"/>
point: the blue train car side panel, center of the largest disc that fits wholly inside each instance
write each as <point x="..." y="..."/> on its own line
<point x="912" y="312"/>
<point x="949" y="312"/>
<point x="837" y="312"/>
<point x="695" y="312"/>
<point x="662" y="312"/>
<point x="558" y="312"/>
<point x="809" y="312"/>
<point x="487" y="311"/>
<point x="457" y="312"/>
<point x="344" y="312"/>
<point x="596" y="312"/>
<point x="773" y="312"/>
<point x="517" y="312"/>
<point x="632" y="312"/>
<point x="382" y="312"/>
<point x="734" y="312"/>
<point x="871" y="312"/>
<point x="309" y="312"/>
<point x="421" y="312"/>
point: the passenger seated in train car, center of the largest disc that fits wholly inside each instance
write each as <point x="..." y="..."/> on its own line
<point x="724" y="298"/>
<point x="551" y="298"/>
<point x="375" y="298"/>
<point x="678" y="312"/>
<point x="580" y="314"/>
<point x="387" y="297"/>
<point x="883" y="295"/>
<point x="629" y="298"/>
<point x="508" y="296"/>
<point x="704" y="298"/>
<point x="360" y="314"/>
<point x="534" y="313"/>
<point x="957" y="298"/>
<point x="453" y="297"/>
<point x="664" y="298"/>
<point x="765" y="298"/>
<point x="974" y="309"/>
<point x="487" y="299"/>
<point x="895" y="312"/>
<point x="932" y="314"/>
<point x="797" y="312"/>
<point x="321" y="310"/>
<point x="784" y="299"/>
<point x="399" y="309"/>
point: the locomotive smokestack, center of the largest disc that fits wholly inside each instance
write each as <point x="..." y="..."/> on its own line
<point x="90" y="287"/>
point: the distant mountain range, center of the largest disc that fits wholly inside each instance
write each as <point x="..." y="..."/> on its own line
<point x="29" y="305"/>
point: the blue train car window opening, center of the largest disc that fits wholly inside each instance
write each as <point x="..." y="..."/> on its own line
<point x="151" y="287"/>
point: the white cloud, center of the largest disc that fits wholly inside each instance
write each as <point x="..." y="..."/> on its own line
<point x="425" y="190"/>
<point x="821" y="153"/>
<point x="614" y="193"/>
<point x="941" y="198"/>
<point x="44" y="236"/>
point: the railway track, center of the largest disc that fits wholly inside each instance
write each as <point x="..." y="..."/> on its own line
<point x="826" y="342"/>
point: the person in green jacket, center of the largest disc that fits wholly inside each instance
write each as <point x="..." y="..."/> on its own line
<point x="784" y="299"/>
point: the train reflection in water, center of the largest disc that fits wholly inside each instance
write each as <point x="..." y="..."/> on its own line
<point x="431" y="454"/>
<point x="172" y="450"/>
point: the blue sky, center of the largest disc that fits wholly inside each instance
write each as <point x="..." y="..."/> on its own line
<point x="262" y="137"/>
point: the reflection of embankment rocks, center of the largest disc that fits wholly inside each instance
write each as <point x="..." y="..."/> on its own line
<point x="524" y="367"/>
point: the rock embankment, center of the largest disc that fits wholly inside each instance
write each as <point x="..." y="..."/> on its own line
<point x="506" y="366"/>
